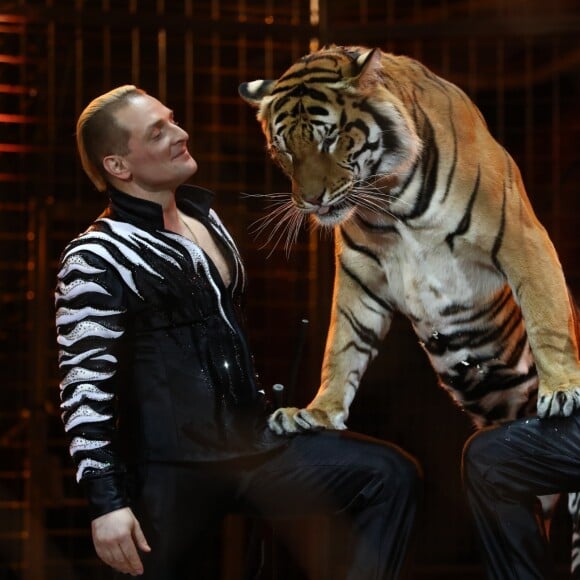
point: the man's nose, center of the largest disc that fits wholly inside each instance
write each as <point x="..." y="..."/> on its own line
<point x="182" y="134"/>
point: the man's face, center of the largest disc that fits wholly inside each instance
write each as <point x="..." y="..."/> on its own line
<point x="158" y="158"/>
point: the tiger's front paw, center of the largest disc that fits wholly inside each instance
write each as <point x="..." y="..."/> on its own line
<point x="559" y="403"/>
<point x="293" y="420"/>
<point x="281" y="421"/>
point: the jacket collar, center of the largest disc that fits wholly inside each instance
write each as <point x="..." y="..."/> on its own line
<point x="192" y="200"/>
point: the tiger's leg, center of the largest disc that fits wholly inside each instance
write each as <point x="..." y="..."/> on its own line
<point x="360" y="319"/>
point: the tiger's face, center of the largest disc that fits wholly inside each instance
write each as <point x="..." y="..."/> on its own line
<point x="345" y="142"/>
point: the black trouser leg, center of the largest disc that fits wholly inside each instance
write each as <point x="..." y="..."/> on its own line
<point x="504" y="470"/>
<point x="366" y="485"/>
<point x="180" y="508"/>
<point x="370" y="487"/>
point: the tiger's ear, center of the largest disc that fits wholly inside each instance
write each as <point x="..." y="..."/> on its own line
<point x="365" y="70"/>
<point x="253" y="92"/>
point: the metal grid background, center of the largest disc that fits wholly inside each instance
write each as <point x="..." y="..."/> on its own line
<point x="519" y="60"/>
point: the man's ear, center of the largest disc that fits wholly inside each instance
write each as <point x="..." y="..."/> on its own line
<point x="116" y="167"/>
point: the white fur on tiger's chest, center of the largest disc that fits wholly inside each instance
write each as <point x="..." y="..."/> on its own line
<point x="425" y="276"/>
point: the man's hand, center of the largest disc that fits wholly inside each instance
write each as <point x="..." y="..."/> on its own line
<point x="117" y="536"/>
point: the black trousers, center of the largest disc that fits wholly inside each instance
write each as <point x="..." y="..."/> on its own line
<point x="504" y="469"/>
<point x="369" y="486"/>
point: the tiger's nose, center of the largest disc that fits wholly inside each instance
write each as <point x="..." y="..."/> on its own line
<point x="302" y="195"/>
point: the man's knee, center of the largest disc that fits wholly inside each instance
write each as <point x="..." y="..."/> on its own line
<point x="387" y="470"/>
<point x="400" y="472"/>
<point x="478" y="454"/>
<point x="410" y="473"/>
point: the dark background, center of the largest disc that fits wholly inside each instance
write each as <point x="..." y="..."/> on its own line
<point x="520" y="62"/>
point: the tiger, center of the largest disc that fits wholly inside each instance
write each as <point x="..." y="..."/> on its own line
<point x="431" y="220"/>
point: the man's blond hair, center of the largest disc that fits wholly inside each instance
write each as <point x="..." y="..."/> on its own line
<point x="99" y="133"/>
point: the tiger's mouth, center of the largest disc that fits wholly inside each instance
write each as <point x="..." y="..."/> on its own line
<point x="330" y="215"/>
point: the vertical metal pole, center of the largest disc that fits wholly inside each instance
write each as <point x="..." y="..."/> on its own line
<point x="161" y="55"/>
<point x="34" y="552"/>
<point x="39" y="317"/>
<point x="135" y="47"/>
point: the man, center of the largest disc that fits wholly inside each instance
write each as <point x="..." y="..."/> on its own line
<point x="158" y="392"/>
<point x="504" y="470"/>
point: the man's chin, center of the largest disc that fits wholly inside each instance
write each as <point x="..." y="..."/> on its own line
<point x="193" y="164"/>
<point x="189" y="166"/>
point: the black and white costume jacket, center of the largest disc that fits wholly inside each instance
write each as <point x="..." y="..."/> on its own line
<point x="154" y="364"/>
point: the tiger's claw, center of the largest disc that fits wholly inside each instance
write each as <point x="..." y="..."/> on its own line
<point x="560" y="403"/>
<point x="291" y="420"/>
<point x="281" y="421"/>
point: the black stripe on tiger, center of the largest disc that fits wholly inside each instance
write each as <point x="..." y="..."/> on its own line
<point x="299" y="91"/>
<point x="359" y="248"/>
<point x="500" y="233"/>
<point x="517" y="350"/>
<point x="463" y="225"/>
<point x="367" y="336"/>
<point x="429" y="165"/>
<point x="440" y="343"/>
<point x="326" y="76"/>
<point x="490" y="309"/>
<point x="501" y="331"/>
<point x="454" y="154"/>
<point x="376" y="228"/>
<point x="496" y="381"/>
<point x="389" y="138"/>
<point x="383" y="303"/>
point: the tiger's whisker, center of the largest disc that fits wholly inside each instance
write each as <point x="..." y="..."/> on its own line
<point x="280" y="228"/>
<point x="379" y="206"/>
<point x="263" y="222"/>
<point x="293" y="231"/>
<point x="282" y="223"/>
<point x="279" y="195"/>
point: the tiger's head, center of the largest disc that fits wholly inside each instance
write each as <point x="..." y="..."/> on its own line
<point x="336" y="130"/>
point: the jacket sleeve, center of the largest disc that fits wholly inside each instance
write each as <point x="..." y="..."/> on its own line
<point x="90" y="323"/>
